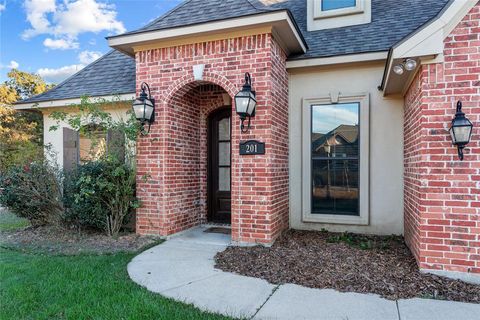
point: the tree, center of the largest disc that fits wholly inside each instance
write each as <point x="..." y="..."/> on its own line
<point x="21" y="132"/>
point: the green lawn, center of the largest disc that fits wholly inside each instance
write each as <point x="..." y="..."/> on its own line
<point x="10" y="222"/>
<point x="42" y="286"/>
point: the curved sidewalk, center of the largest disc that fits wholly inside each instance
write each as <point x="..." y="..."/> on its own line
<point x="182" y="268"/>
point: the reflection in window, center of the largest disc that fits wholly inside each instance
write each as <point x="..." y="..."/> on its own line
<point x="335" y="159"/>
<point x="93" y="143"/>
<point x="337" y="4"/>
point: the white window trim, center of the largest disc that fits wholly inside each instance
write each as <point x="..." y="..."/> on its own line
<point x="364" y="158"/>
<point x="318" y="13"/>
<point x="338" y="18"/>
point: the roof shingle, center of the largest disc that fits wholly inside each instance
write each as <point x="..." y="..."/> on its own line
<point x="392" y="20"/>
<point x="113" y="73"/>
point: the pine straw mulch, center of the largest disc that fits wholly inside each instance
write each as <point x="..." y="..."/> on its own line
<point x="345" y="262"/>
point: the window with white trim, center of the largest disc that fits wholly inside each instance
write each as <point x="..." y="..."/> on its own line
<point x="335" y="148"/>
<point x="328" y="14"/>
<point x="329" y="8"/>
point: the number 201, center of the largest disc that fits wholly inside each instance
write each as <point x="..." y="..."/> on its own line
<point x="251" y="148"/>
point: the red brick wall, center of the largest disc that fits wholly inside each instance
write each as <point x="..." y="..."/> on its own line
<point x="442" y="197"/>
<point x="171" y="159"/>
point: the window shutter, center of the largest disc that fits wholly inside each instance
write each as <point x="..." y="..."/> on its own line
<point x="116" y="144"/>
<point x="71" y="154"/>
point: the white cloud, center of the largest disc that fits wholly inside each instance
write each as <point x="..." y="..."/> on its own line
<point x="62" y="44"/>
<point x="37" y="11"/>
<point x="3" y="6"/>
<point x="60" y="74"/>
<point x="87" y="57"/>
<point x="57" y="75"/>
<point x="13" y="65"/>
<point x="75" y="17"/>
<point x="68" y="19"/>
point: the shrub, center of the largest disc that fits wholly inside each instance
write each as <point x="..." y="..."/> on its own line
<point x="101" y="194"/>
<point x="33" y="192"/>
<point x="85" y="211"/>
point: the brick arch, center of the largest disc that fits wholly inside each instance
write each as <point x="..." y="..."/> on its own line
<point x="184" y="84"/>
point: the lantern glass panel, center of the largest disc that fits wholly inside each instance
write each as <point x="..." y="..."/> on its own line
<point x="138" y="108"/>
<point x="242" y="102"/>
<point x="462" y="134"/>
<point x="148" y="109"/>
<point x="252" y="103"/>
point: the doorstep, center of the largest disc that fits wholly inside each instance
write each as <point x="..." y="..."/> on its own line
<point x="182" y="268"/>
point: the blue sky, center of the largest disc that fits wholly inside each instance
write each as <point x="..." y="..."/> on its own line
<point x="55" y="38"/>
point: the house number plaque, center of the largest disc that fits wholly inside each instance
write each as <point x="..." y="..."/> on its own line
<point x="252" y="147"/>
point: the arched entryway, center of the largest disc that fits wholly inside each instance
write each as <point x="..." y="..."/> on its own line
<point x="172" y="160"/>
<point x="197" y="180"/>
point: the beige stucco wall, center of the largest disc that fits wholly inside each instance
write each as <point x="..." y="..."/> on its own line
<point x="55" y="138"/>
<point x="386" y="143"/>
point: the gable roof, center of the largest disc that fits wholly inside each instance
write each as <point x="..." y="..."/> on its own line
<point x="392" y="20"/>
<point x="113" y="73"/>
<point x="200" y="11"/>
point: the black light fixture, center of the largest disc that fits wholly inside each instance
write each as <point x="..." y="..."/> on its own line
<point x="245" y="102"/>
<point x="461" y="130"/>
<point x="144" y="108"/>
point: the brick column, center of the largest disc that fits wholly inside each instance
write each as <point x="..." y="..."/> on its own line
<point x="171" y="178"/>
<point x="442" y="193"/>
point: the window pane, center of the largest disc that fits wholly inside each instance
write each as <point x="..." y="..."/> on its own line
<point x="223" y="179"/>
<point x="224" y="153"/>
<point x="335" y="130"/>
<point x="224" y="129"/>
<point x="335" y="158"/>
<point x="93" y="145"/>
<point x="337" y="4"/>
<point x="335" y="187"/>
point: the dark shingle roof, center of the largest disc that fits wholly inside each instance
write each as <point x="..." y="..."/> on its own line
<point x="114" y="73"/>
<point x="392" y="20"/>
<point x="198" y="11"/>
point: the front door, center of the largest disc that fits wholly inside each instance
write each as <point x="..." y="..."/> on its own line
<point x="219" y="166"/>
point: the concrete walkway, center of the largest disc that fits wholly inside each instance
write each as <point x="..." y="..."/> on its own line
<point x="182" y="268"/>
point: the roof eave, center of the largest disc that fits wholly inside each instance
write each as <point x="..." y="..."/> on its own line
<point x="281" y="21"/>
<point x="54" y="103"/>
<point x="423" y="45"/>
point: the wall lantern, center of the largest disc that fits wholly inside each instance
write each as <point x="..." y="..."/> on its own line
<point x="407" y="64"/>
<point x="461" y="130"/>
<point x="245" y="102"/>
<point x="144" y="108"/>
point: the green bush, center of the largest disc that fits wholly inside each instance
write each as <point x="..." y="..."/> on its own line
<point x="84" y="212"/>
<point x="33" y="192"/>
<point x="101" y="194"/>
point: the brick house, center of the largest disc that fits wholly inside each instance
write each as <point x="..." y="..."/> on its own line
<point x="354" y="104"/>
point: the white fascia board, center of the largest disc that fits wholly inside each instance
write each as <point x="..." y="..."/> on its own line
<point x="72" y="102"/>
<point x="429" y="40"/>
<point x="342" y="59"/>
<point x="124" y="43"/>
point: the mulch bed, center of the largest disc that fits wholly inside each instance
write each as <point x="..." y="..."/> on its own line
<point x="345" y="262"/>
<point x="64" y="241"/>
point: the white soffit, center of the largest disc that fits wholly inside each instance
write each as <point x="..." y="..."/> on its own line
<point x="280" y="21"/>
<point x="426" y="42"/>
<point x="73" y="102"/>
